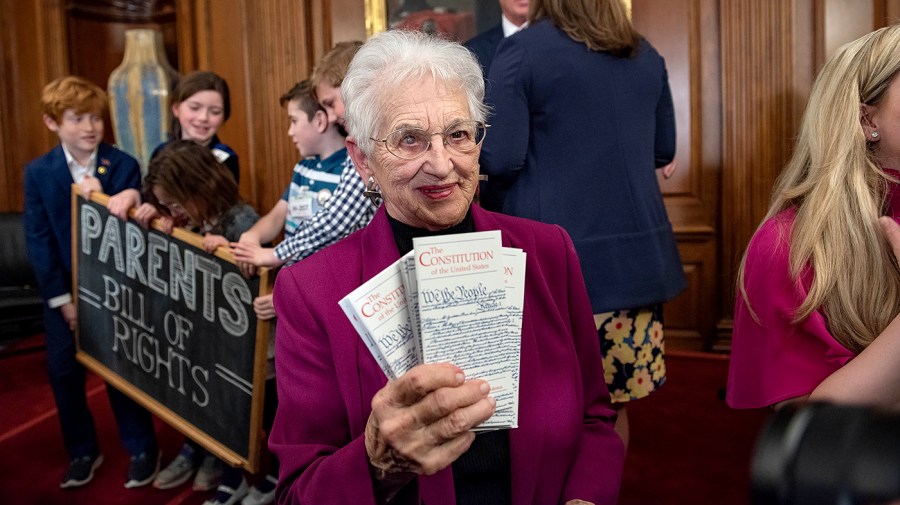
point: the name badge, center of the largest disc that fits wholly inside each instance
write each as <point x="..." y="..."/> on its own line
<point x="300" y="204"/>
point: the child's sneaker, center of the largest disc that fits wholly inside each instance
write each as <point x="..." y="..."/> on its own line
<point x="263" y="493"/>
<point x="143" y="469"/>
<point x="176" y="473"/>
<point x="209" y="474"/>
<point x="80" y="471"/>
<point x="228" y="496"/>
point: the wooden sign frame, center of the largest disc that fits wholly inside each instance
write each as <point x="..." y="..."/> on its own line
<point x="257" y="436"/>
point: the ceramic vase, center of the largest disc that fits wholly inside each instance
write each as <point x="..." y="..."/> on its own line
<point x="139" y="95"/>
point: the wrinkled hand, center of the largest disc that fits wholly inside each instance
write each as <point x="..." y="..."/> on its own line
<point x="89" y="184"/>
<point x="212" y="242"/>
<point x="892" y="232"/>
<point x="145" y="213"/>
<point x="264" y="307"/>
<point x="669" y="169"/>
<point x="120" y="204"/>
<point x="255" y="254"/>
<point x="70" y="316"/>
<point x="422" y="422"/>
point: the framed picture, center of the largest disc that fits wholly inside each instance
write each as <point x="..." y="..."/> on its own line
<point x="458" y="20"/>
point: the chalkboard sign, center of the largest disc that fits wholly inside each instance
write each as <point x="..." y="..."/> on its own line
<point x="173" y="327"/>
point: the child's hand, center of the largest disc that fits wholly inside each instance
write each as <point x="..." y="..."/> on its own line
<point x="264" y="307"/>
<point x="212" y="242"/>
<point x="167" y="224"/>
<point x="120" y="203"/>
<point x="146" y="213"/>
<point x="70" y="316"/>
<point x="89" y="184"/>
<point x="248" y="270"/>
<point x="255" y="254"/>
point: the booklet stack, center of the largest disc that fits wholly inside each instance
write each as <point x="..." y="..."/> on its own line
<point x="453" y="298"/>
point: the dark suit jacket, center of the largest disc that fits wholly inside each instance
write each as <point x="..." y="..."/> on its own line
<point x="578" y="135"/>
<point x="48" y="210"/>
<point x="564" y="447"/>
<point x="484" y="46"/>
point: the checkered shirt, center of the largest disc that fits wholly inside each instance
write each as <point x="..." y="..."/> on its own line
<point x="345" y="212"/>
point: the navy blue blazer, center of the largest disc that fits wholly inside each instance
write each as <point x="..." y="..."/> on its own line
<point x="48" y="210"/>
<point x="484" y="46"/>
<point x="577" y="135"/>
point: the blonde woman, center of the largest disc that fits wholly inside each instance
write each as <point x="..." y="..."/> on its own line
<point x="819" y="287"/>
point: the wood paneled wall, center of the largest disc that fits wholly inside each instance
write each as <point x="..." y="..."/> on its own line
<point x="260" y="47"/>
<point x="767" y="50"/>
<point x="685" y="33"/>
<point x="33" y="47"/>
<point x="740" y="73"/>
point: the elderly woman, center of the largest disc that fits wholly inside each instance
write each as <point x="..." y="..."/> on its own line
<point x="343" y="432"/>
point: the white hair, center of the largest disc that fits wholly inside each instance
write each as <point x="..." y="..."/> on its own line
<point x="392" y="59"/>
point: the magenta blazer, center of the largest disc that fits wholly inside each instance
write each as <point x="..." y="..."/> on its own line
<point x="564" y="447"/>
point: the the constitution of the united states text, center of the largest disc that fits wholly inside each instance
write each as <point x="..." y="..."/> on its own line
<point x="453" y="298"/>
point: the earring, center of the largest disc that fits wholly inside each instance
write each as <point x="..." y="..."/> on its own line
<point x="372" y="192"/>
<point x="874" y="135"/>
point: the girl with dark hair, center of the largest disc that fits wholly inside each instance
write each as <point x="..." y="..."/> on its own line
<point x="188" y="187"/>
<point x="200" y="106"/>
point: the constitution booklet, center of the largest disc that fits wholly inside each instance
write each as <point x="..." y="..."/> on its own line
<point x="463" y="318"/>
<point x="453" y="298"/>
<point x="408" y="270"/>
<point x="514" y="283"/>
<point x="378" y="311"/>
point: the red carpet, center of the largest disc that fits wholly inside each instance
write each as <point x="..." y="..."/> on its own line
<point x="687" y="446"/>
<point x="32" y="458"/>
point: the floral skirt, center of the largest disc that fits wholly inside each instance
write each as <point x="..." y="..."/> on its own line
<point x="631" y="342"/>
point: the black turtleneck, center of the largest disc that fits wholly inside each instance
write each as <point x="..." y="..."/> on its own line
<point x="404" y="233"/>
<point x="481" y="476"/>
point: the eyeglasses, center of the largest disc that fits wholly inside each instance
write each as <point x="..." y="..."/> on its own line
<point x="409" y="143"/>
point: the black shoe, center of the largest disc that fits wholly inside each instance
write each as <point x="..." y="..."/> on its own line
<point x="81" y="471"/>
<point x="143" y="469"/>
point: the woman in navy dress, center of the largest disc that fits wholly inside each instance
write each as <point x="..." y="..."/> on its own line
<point x="583" y="117"/>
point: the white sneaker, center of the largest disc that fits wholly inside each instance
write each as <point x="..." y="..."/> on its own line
<point x="209" y="474"/>
<point x="257" y="497"/>
<point x="230" y="496"/>
<point x="175" y="474"/>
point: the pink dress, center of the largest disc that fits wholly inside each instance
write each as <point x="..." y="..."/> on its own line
<point x="772" y="359"/>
